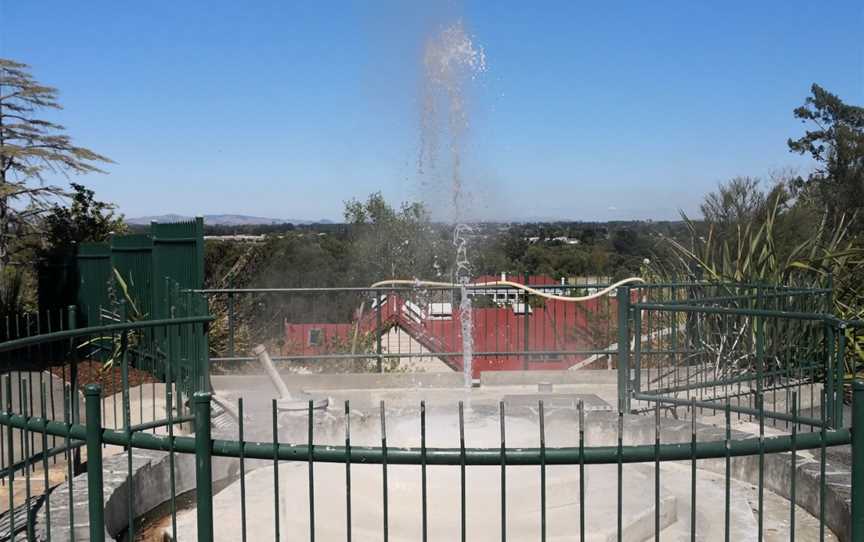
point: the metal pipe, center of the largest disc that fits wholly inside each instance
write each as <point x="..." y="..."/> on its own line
<point x="263" y="356"/>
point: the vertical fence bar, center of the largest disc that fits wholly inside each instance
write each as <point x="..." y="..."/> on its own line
<point x="526" y="327"/>
<point x="637" y="350"/>
<point x="823" y="428"/>
<point x="68" y="396"/>
<point x="581" y="408"/>
<point x="857" y="461"/>
<point x="21" y="432"/>
<point x="503" y="475"/>
<point x="761" y="474"/>
<point x="693" y="469"/>
<point x="203" y="467"/>
<point x="542" y="472"/>
<point x="840" y="369"/>
<point x="96" y="502"/>
<point x="829" y="386"/>
<point x="657" y="471"/>
<point x="794" y="466"/>
<point x="276" y="525"/>
<point x="311" y="466"/>
<point x="423" y="488"/>
<point x="241" y="438"/>
<point x="127" y="416"/>
<point x="384" y="473"/>
<point x="760" y="363"/>
<point x="462" y="503"/>
<point x="46" y="485"/>
<point x="620" y="491"/>
<point x="72" y="323"/>
<point x="727" y="487"/>
<point x="378" y="331"/>
<point x="348" y="471"/>
<point x="170" y="389"/>
<point x="231" y="350"/>
<point x="623" y="298"/>
<point x="3" y="430"/>
<point x="26" y="451"/>
<point x="11" y="450"/>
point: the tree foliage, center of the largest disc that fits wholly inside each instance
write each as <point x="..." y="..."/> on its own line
<point x="85" y="219"/>
<point x="388" y="243"/>
<point x="32" y="151"/>
<point x="836" y="142"/>
<point x="739" y="200"/>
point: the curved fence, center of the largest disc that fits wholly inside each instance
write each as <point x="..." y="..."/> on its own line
<point x="738" y="343"/>
<point x="710" y="350"/>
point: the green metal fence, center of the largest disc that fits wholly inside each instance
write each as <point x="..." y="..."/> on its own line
<point x="31" y="392"/>
<point x="402" y="327"/>
<point x="733" y="342"/>
<point x="147" y="272"/>
<point x="173" y="250"/>
<point x="789" y="348"/>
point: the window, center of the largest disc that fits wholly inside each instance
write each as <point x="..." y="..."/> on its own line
<point x="316" y="337"/>
<point x="440" y="311"/>
<point x="522" y="308"/>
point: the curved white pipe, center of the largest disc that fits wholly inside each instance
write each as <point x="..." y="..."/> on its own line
<point x="532" y="291"/>
<point x="395" y="282"/>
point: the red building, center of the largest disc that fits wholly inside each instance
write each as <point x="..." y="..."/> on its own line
<point x="504" y="329"/>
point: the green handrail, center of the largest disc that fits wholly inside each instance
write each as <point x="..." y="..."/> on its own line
<point x="15" y="344"/>
<point x="438" y="456"/>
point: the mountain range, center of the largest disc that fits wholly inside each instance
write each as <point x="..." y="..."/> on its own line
<point x="225" y="220"/>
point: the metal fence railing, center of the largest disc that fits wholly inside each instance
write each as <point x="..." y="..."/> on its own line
<point x="787" y="348"/>
<point x="413" y="328"/>
<point x="738" y="343"/>
<point x="505" y="458"/>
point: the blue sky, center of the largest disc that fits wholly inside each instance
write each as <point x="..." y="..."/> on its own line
<point x="589" y="111"/>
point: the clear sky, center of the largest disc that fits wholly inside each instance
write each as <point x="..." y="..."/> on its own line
<point x="588" y="110"/>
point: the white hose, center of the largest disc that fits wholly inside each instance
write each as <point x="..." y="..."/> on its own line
<point x="408" y="282"/>
<point x="532" y="291"/>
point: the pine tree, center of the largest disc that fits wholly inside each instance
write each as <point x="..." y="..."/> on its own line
<point x="32" y="151"/>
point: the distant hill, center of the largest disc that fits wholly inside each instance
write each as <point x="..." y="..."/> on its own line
<point x="225" y="220"/>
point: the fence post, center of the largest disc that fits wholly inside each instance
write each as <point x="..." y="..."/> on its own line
<point x="203" y="468"/>
<point x="831" y="373"/>
<point x="96" y="505"/>
<point x="623" y="294"/>
<point x="231" y="349"/>
<point x="858" y="461"/>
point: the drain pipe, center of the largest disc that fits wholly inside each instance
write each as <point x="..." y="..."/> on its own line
<point x="286" y="401"/>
